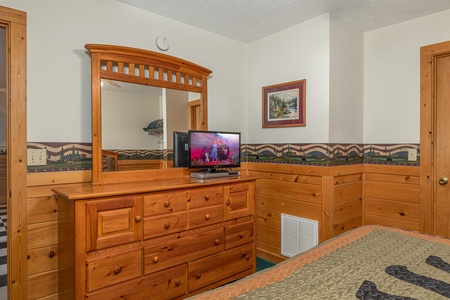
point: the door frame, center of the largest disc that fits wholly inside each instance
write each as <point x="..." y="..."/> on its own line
<point x="16" y="140"/>
<point x="428" y="56"/>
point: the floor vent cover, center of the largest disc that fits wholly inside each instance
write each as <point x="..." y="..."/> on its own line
<point x="297" y="235"/>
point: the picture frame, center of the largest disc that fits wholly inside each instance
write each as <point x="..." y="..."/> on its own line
<point x="284" y="105"/>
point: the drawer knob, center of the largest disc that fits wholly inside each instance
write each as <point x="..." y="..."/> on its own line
<point x="241" y="235"/>
<point x="167" y="203"/>
<point x="228" y="202"/>
<point x="167" y="225"/>
<point x="198" y="275"/>
<point x="247" y="257"/>
<point x="177" y="282"/>
<point x="155" y="259"/>
<point x="217" y="242"/>
<point x="207" y="197"/>
<point x="138" y="218"/>
<point x="207" y="217"/>
<point x="117" y="270"/>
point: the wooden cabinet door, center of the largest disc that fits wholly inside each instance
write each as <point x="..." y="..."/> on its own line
<point x="239" y="200"/>
<point x="113" y="222"/>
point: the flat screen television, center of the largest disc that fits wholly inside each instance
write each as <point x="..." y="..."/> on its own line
<point x="180" y="149"/>
<point x="214" y="150"/>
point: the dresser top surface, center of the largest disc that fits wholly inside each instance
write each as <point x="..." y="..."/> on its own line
<point x="89" y="191"/>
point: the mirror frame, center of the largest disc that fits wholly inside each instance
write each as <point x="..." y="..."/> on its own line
<point x="142" y="67"/>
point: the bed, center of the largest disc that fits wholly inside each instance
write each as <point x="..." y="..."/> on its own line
<point x="369" y="262"/>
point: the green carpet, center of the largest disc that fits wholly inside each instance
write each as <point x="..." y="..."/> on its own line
<point x="262" y="264"/>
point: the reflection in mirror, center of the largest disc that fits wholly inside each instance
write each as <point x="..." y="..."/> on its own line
<point x="138" y="122"/>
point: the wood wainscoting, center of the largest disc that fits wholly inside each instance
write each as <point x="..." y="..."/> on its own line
<point x="43" y="230"/>
<point x="330" y="195"/>
<point x="392" y="196"/>
<point x="333" y="196"/>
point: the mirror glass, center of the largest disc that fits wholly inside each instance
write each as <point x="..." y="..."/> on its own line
<point x="138" y="122"/>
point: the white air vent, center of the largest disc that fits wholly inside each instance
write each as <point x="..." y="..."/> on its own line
<point x="297" y="235"/>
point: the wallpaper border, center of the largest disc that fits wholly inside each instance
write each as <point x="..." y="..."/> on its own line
<point x="78" y="156"/>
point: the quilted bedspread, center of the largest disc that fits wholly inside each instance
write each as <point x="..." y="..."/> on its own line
<point x="369" y="262"/>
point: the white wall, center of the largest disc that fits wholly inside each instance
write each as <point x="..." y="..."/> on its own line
<point x="299" y="52"/>
<point x="125" y="120"/>
<point x="59" y="67"/>
<point x="346" y="83"/>
<point x="392" y="77"/>
<point x="59" y="71"/>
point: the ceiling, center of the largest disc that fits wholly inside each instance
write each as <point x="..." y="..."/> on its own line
<point x="250" y="20"/>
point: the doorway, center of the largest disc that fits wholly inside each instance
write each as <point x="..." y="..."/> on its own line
<point x="435" y="139"/>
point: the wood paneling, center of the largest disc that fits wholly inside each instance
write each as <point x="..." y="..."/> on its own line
<point x="43" y="285"/>
<point x="393" y="191"/>
<point x="43" y="214"/>
<point x="330" y="195"/>
<point x="392" y="196"/>
<point x="42" y="234"/>
<point x="290" y="190"/>
<point x="266" y="205"/>
<point x="42" y="209"/>
<point x="42" y="259"/>
<point x="371" y="219"/>
<point x="392" y="209"/>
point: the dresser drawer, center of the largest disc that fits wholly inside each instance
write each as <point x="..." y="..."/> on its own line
<point x="161" y="203"/>
<point x="113" y="222"/>
<point x="218" y="266"/>
<point x="205" y="216"/>
<point x="205" y="197"/>
<point x="167" y="284"/>
<point x="105" y="272"/>
<point x="239" y="234"/>
<point x="165" y="224"/>
<point x="167" y="251"/>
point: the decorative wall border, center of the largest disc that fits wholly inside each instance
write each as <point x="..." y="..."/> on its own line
<point x="63" y="157"/>
<point x="78" y="156"/>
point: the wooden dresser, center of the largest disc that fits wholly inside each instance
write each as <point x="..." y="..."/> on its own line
<point x="165" y="239"/>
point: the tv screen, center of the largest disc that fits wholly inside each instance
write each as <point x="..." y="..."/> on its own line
<point x="180" y="149"/>
<point x="214" y="149"/>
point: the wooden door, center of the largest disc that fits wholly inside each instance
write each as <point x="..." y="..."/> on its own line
<point x="435" y="139"/>
<point x="194" y="115"/>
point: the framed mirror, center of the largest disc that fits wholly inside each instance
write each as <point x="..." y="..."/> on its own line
<point x="139" y="98"/>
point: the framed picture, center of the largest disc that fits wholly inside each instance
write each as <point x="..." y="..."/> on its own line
<point x="284" y="104"/>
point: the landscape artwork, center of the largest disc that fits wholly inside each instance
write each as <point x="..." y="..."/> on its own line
<point x="284" y="104"/>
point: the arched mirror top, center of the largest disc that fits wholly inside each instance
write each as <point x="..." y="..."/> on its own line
<point x="128" y="65"/>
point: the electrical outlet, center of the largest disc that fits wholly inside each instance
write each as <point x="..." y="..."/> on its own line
<point x="36" y="157"/>
<point x="412" y="154"/>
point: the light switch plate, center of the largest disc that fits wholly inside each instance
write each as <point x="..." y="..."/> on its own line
<point x="36" y="157"/>
<point x="412" y="154"/>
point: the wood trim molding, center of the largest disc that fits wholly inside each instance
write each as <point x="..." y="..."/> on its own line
<point x="15" y="23"/>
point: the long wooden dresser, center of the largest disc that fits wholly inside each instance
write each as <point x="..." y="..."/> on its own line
<point x="165" y="239"/>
